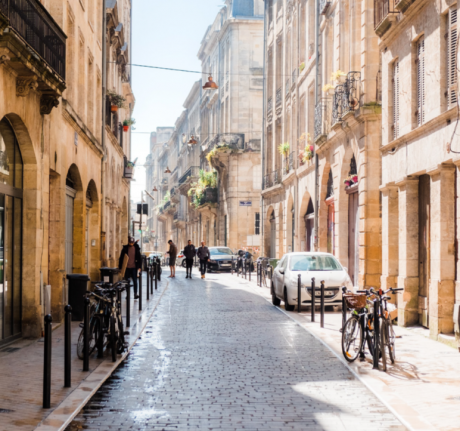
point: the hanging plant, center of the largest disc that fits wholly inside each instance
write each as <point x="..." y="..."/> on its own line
<point x="116" y="100"/>
<point x="284" y="149"/>
<point x="354" y="178"/>
<point x="128" y="122"/>
<point x="338" y="76"/>
<point x="347" y="182"/>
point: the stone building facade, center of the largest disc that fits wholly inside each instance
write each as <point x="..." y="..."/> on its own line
<point x="420" y="160"/>
<point x="53" y="191"/>
<point x="329" y="134"/>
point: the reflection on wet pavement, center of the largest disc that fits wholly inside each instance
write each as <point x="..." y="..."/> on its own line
<point x="216" y="357"/>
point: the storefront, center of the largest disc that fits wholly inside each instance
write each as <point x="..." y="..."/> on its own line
<point x="11" y="195"/>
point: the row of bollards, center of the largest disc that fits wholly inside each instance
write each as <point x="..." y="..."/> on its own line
<point x="153" y="273"/>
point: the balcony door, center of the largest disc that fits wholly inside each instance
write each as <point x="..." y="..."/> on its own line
<point x="11" y="183"/>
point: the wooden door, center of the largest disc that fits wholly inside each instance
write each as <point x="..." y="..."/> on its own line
<point x="353" y="238"/>
<point x="424" y="248"/>
<point x="273" y="239"/>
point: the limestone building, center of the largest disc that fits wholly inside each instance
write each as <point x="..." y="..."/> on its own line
<point x="53" y="192"/>
<point x="322" y="128"/>
<point x="420" y="206"/>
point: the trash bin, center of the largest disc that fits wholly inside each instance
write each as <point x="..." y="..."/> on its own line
<point x="78" y="286"/>
<point x="109" y="275"/>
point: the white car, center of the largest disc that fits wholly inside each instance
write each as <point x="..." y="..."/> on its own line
<point x="321" y="266"/>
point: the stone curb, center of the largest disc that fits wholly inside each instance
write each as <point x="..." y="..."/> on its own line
<point x="66" y="411"/>
<point x="385" y="402"/>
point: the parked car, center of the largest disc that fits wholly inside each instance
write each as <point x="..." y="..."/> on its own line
<point x="221" y="259"/>
<point x="180" y="260"/>
<point x="322" y="266"/>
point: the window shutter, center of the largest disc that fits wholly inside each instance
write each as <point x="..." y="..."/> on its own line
<point x="451" y="57"/>
<point x="421" y="81"/>
<point x="396" y="99"/>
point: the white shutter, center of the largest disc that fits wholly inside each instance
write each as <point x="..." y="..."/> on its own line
<point x="451" y="57"/>
<point x="421" y="81"/>
<point x="396" y="99"/>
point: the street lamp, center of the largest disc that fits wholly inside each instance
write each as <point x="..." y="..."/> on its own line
<point x="154" y="189"/>
<point x="210" y="85"/>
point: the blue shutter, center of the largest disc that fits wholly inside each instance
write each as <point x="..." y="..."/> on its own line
<point x="243" y="8"/>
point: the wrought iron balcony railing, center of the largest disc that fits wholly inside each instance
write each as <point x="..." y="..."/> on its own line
<point x="324" y="6"/>
<point x="323" y="117"/>
<point x="346" y="97"/>
<point x="209" y="196"/>
<point x="288" y="86"/>
<point x="294" y="76"/>
<point x="32" y="22"/>
<point x="279" y="98"/>
<point x="272" y="179"/>
<point x="191" y="172"/>
<point x="289" y="164"/>
<point x="166" y="205"/>
<point x="269" y="105"/>
<point x="384" y="15"/>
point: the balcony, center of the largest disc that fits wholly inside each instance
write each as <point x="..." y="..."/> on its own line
<point x="272" y="179"/>
<point x="346" y="97"/>
<point x="190" y="175"/>
<point x="288" y="87"/>
<point x="34" y="46"/>
<point x="294" y="77"/>
<point x="289" y="163"/>
<point x="402" y="5"/>
<point x="209" y="197"/>
<point x="384" y="15"/>
<point x="323" y="6"/>
<point x="270" y="109"/>
<point x="279" y="101"/>
<point x="323" y="118"/>
<point x="175" y="196"/>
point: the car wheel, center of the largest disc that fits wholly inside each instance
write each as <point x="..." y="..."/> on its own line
<point x="275" y="300"/>
<point x="287" y="307"/>
<point x="183" y="264"/>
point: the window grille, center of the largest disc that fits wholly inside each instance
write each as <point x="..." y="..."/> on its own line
<point x="396" y="99"/>
<point x="257" y="224"/>
<point x="451" y="57"/>
<point x="421" y="81"/>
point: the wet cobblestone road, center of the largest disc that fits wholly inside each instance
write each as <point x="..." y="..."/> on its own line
<point x="217" y="357"/>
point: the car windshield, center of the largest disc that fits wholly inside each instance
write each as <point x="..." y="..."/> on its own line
<point x="314" y="263"/>
<point x="220" y="251"/>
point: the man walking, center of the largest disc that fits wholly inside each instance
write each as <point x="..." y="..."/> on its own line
<point x="172" y="258"/>
<point x="204" y="255"/>
<point x="133" y="251"/>
<point x="189" y="253"/>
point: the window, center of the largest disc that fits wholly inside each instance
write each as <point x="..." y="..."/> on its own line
<point x="270" y="11"/>
<point x="420" y="81"/>
<point x="221" y="251"/>
<point x="257" y="224"/>
<point x="451" y="56"/>
<point x="396" y="99"/>
<point x="314" y="263"/>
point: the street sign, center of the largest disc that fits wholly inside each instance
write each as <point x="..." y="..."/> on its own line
<point x="245" y="203"/>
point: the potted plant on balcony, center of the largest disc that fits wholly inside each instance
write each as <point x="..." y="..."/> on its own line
<point x="302" y="67"/>
<point x="328" y="89"/>
<point x="354" y="178"/>
<point x="129" y="169"/>
<point x="284" y="149"/>
<point x="338" y="76"/>
<point x="348" y="182"/>
<point x="128" y="122"/>
<point x="116" y="101"/>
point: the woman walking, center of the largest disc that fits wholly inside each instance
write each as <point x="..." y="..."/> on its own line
<point x="172" y="258"/>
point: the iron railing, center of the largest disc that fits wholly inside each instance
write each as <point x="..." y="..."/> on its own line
<point x="279" y="97"/>
<point x="288" y="86"/>
<point x="191" y="172"/>
<point x="272" y="179"/>
<point x="289" y="164"/>
<point x="269" y="105"/>
<point x="323" y="117"/>
<point x="32" y="22"/>
<point x="383" y="13"/>
<point x="209" y="196"/>
<point x="178" y="216"/>
<point x="294" y="76"/>
<point x="166" y="205"/>
<point x="323" y="6"/>
<point x="346" y="97"/>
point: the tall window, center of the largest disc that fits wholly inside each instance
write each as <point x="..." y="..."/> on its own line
<point x="395" y="99"/>
<point x="421" y="81"/>
<point x="270" y="11"/>
<point x="257" y="224"/>
<point x="451" y="56"/>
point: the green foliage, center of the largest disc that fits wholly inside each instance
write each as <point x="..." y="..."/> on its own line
<point x="284" y="149"/>
<point x="167" y="196"/>
<point x="206" y="179"/>
<point x="129" y="122"/>
<point x="116" y="99"/>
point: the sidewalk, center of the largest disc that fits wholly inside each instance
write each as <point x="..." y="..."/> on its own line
<point x="21" y="373"/>
<point x="422" y="388"/>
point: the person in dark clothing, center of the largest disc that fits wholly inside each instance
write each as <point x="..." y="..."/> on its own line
<point x="133" y="251"/>
<point x="189" y="253"/>
<point x="172" y="258"/>
<point x="204" y="255"/>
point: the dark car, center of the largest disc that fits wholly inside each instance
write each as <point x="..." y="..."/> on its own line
<point x="221" y="259"/>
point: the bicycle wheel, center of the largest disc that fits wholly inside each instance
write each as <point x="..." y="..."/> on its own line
<point x="352" y="339"/>
<point x="390" y="341"/>
<point x="121" y="336"/>
<point x="383" y="342"/>
<point x="113" y="338"/>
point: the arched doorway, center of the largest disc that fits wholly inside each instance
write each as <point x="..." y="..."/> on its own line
<point x="92" y="230"/>
<point x="11" y="205"/>
<point x="310" y="227"/>
<point x="273" y="235"/>
<point x="290" y="224"/>
<point x="330" y="214"/>
<point x="353" y="225"/>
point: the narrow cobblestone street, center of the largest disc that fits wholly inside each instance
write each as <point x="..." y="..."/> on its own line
<point x="216" y="357"/>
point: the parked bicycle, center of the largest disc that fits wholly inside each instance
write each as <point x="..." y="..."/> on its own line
<point x="106" y="322"/>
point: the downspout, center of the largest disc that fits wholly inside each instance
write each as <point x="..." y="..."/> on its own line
<point x="317" y="95"/>
<point x="262" y="147"/>
<point x="104" y="95"/>
<point x="296" y="190"/>
<point x="130" y="113"/>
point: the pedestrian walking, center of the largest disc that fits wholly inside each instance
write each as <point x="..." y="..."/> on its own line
<point x="189" y="253"/>
<point x="133" y="251"/>
<point x="172" y="258"/>
<point x="204" y="255"/>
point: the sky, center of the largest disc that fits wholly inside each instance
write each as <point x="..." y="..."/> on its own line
<point x="166" y="33"/>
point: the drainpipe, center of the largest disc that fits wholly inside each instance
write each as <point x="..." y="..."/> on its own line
<point x="104" y="94"/>
<point x="262" y="147"/>
<point x="130" y="114"/>
<point x="317" y="95"/>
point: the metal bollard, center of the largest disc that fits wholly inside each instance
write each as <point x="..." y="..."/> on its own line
<point x="245" y="263"/>
<point x="140" y="290"/>
<point x="157" y="271"/>
<point x="128" y="305"/>
<point x="86" y="336"/>
<point x="313" y="299"/>
<point x="238" y="267"/>
<point x="257" y="274"/>
<point x="232" y="265"/>
<point x="67" y="346"/>
<point x="344" y="307"/>
<point x="148" y="283"/>
<point x="376" y="358"/>
<point x="47" y="364"/>
<point x="322" y="305"/>
<point x="299" y="293"/>
<point x="151" y="279"/>
<point x="249" y="270"/>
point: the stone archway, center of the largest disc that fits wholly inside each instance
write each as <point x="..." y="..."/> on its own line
<point x="281" y="229"/>
<point x="302" y="229"/>
<point x="290" y="224"/>
<point x="93" y="227"/>
<point x="326" y="206"/>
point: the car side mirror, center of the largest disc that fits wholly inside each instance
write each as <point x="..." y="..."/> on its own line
<point x="281" y="271"/>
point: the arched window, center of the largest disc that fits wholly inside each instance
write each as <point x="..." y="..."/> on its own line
<point x="11" y="183"/>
